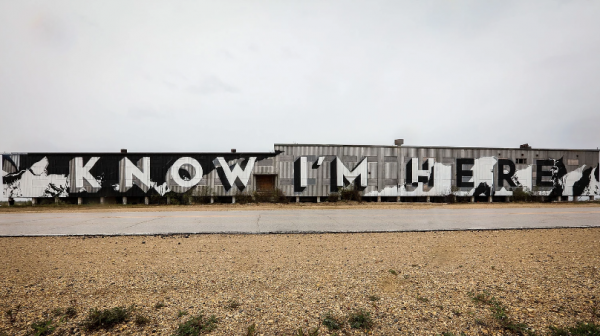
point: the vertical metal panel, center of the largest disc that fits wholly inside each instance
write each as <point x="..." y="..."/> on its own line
<point x="391" y="170"/>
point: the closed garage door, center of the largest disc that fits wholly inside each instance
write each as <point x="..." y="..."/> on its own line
<point x="265" y="182"/>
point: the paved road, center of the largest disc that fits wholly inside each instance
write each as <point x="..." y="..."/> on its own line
<point x="272" y="221"/>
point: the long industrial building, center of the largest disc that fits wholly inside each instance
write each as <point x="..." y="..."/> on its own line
<point x="308" y="172"/>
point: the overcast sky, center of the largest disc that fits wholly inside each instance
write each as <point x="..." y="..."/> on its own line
<point x="215" y="75"/>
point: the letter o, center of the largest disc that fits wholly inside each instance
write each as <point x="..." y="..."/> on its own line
<point x="174" y="172"/>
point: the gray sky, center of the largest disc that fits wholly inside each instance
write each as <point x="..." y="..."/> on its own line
<point x="210" y="76"/>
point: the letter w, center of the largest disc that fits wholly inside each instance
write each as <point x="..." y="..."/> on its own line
<point x="237" y="175"/>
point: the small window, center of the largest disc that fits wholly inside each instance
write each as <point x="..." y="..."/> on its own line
<point x="521" y="161"/>
<point x="572" y="162"/>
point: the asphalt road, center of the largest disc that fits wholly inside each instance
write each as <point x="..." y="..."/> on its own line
<point x="292" y="221"/>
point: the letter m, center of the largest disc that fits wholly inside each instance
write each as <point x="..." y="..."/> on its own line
<point x="342" y="175"/>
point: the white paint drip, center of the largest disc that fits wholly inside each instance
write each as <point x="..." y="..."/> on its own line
<point x="35" y="182"/>
<point x="483" y="172"/>
<point x="522" y="179"/>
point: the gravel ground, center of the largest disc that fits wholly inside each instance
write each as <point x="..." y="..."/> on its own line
<point x="412" y="283"/>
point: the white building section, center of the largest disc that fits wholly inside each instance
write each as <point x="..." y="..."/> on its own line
<point x="570" y="179"/>
<point x="386" y="192"/>
<point x="442" y="181"/>
<point x="523" y="178"/>
<point x="594" y="186"/>
<point x="483" y="171"/>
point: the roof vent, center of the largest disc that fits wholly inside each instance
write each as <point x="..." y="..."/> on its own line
<point x="399" y="142"/>
<point x="123" y="151"/>
<point x="525" y="146"/>
<point x="233" y="150"/>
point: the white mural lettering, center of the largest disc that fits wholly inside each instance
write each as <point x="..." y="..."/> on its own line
<point x="302" y="170"/>
<point x="234" y="175"/>
<point x="80" y="174"/>
<point x="377" y="173"/>
<point x="360" y="172"/>
<point x="134" y="174"/>
<point x="186" y="172"/>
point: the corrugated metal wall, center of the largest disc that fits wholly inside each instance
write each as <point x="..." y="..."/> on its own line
<point x="319" y="179"/>
<point x="390" y="171"/>
<point x="387" y="166"/>
<point x="132" y="174"/>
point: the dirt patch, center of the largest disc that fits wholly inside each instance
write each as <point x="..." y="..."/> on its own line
<point x="285" y="282"/>
<point x="440" y="255"/>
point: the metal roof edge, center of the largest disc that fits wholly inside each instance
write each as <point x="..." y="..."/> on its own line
<point x="334" y="145"/>
<point x="138" y="153"/>
<point x="445" y="147"/>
